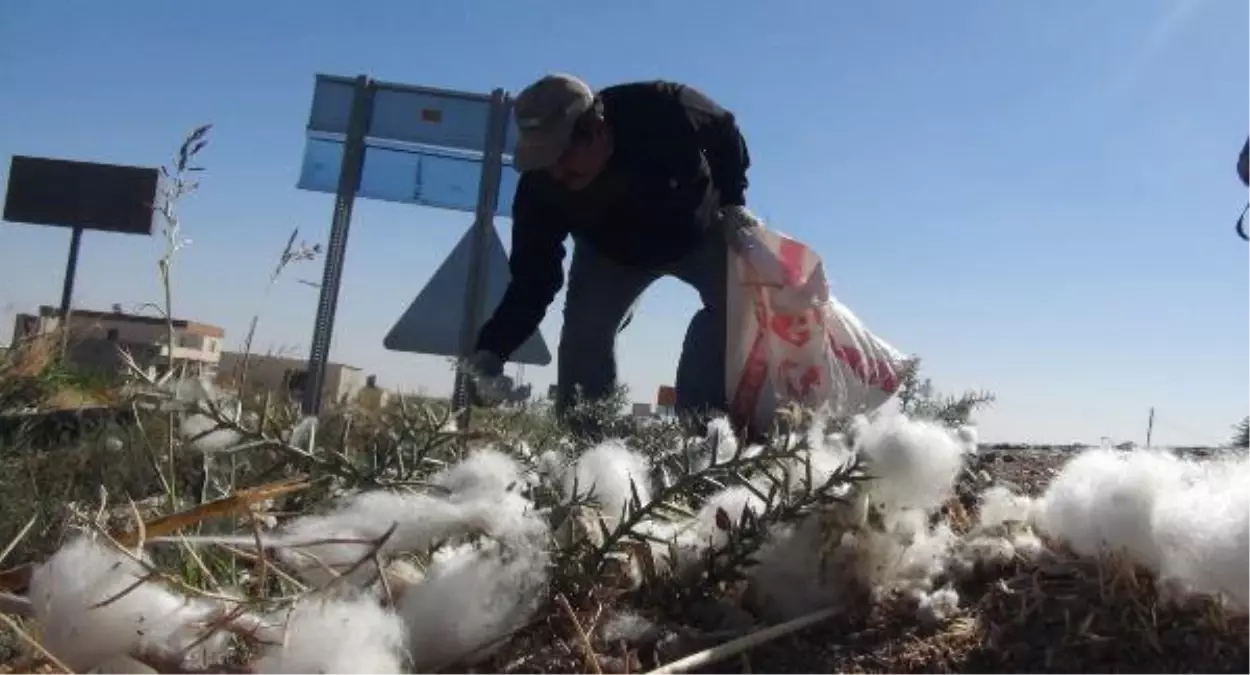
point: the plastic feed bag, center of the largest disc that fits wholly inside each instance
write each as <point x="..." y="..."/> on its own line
<point x="789" y="340"/>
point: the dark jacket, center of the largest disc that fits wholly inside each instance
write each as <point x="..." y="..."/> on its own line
<point x="1243" y="164"/>
<point x="678" y="157"/>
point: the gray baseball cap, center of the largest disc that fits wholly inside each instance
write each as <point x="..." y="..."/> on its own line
<point x="546" y="112"/>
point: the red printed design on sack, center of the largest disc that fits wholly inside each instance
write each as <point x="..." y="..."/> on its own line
<point x="881" y="376"/>
<point x="791" y="253"/>
<point x="800" y="381"/>
<point x="755" y="370"/>
<point x="797" y="330"/>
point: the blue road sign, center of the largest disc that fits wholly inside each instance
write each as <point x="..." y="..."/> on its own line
<point x="425" y="146"/>
<point x="405" y="173"/>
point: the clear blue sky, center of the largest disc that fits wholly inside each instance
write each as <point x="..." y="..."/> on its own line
<point x="1036" y="197"/>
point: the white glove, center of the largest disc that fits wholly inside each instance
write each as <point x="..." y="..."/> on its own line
<point x="737" y="222"/>
<point x="487" y="382"/>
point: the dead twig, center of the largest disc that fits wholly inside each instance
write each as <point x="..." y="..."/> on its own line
<point x="16" y="605"/>
<point x="13" y="625"/>
<point x="734" y="647"/>
<point x="588" y="650"/>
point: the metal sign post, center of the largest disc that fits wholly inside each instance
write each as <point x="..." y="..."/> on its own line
<point x="336" y="250"/>
<point x="487" y="199"/>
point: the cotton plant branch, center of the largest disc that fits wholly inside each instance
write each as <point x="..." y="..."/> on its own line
<point x="252" y="439"/>
<point x="746" y="535"/>
<point x="918" y="399"/>
<point x="781" y="503"/>
<point x="412" y="440"/>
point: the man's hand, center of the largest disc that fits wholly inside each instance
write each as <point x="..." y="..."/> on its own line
<point x="737" y="222"/>
<point x="488" y="385"/>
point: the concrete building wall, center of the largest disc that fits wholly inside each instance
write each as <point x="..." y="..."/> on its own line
<point x="278" y="373"/>
<point x="196" y="345"/>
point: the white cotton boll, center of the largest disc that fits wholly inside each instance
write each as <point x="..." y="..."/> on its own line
<point x="1188" y="521"/>
<point x="191" y="390"/>
<point x="625" y="626"/>
<point x="926" y="557"/>
<point x="608" y="468"/>
<point x="333" y="635"/>
<point x="719" y="445"/>
<point x="470" y="600"/>
<point x="734" y="501"/>
<point x="478" y="503"/>
<point x="937" y="606"/>
<point x="524" y="450"/>
<point x="400" y="575"/>
<point x="669" y="538"/>
<point x="817" y="433"/>
<point x="825" y="460"/>
<point x="551" y="464"/>
<point x="148" y="618"/>
<point x="791" y="579"/>
<point x="1028" y="545"/>
<point x="205" y="435"/>
<point x="1103" y="500"/>
<point x="510" y="518"/>
<point x="484" y="473"/>
<point x="420" y="520"/>
<point x="1000" y="505"/>
<point x="1202" y="528"/>
<point x="304" y="432"/>
<point x="908" y="552"/>
<point x="984" y="551"/>
<point x="720" y="434"/>
<point x="915" y="462"/>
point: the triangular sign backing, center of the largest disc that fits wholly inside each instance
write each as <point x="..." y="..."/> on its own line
<point x="431" y="324"/>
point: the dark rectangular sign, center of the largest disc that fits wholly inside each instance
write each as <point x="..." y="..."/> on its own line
<point x="65" y="193"/>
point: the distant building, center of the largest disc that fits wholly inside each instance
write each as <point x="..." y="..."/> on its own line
<point x="665" y="401"/>
<point x="642" y="410"/>
<point x="281" y="374"/>
<point x="94" y="338"/>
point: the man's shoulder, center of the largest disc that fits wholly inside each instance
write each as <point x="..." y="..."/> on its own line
<point x="642" y="88"/>
<point x="640" y="93"/>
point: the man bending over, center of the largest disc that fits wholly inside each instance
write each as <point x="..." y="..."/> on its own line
<point x="649" y="179"/>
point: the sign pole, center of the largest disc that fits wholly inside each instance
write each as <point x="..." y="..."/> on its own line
<point x="336" y="250"/>
<point x="484" y="219"/>
<point x="67" y="289"/>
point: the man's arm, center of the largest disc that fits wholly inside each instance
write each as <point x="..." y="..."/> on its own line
<point x="722" y="144"/>
<point x="537" y="268"/>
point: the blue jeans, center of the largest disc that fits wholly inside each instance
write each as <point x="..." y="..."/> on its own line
<point x="599" y="302"/>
